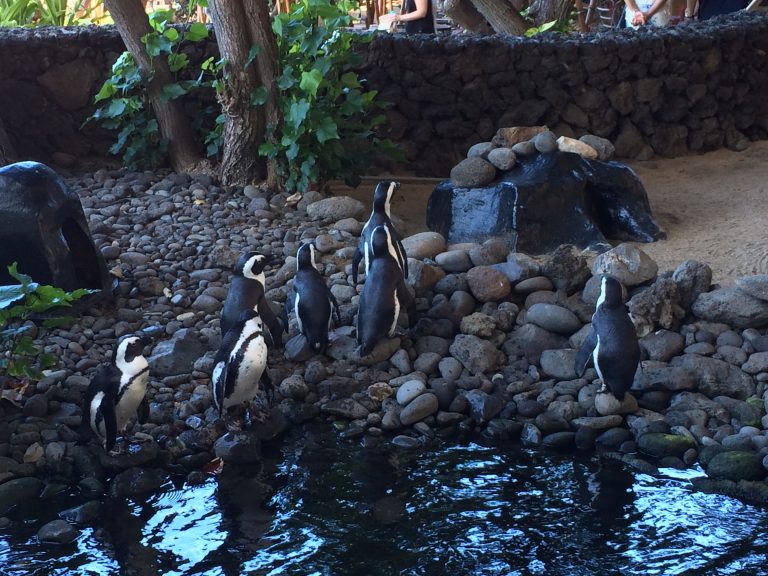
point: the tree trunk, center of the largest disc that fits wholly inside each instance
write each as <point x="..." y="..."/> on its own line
<point x="464" y="13"/>
<point x="543" y="11"/>
<point x="7" y="153"/>
<point x="240" y="24"/>
<point x="131" y="21"/>
<point x="502" y="17"/>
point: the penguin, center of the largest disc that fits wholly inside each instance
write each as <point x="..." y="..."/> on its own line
<point x="612" y="343"/>
<point x="240" y="363"/>
<point x="247" y="292"/>
<point x="311" y="300"/>
<point x="384" y="294"/>
<point x="117" y="389"/>
<point x="380" y="216"/>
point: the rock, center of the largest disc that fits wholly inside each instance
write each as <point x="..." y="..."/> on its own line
<point x="382" y="351"/>
<point x="564" y="440"/>
<point x="336" y="208"/>
<point x="476" y="355"/>
<point x="518" y="206"/>
<point x="488" y="284"/>
<point x="481" y="149"/>
<point x="559" y="364"/>
<point x="85" y="514"/>
<point x="297" y="349"/>
<point x="737" y="465"/>
<point x="656" y="306"/>
<point x="345" y="408"/>
<point x="692" y="278"/>
<point x="513" y="135"/>
<point x="478" y="324"/>
<point x="715" y="377"/>
<point x="731" y="306"/>
<point x="530" y="435"/>
<point x="530" y="340"/>
<point x="627" y="264"/>
<point x="424" y="245"/>
<point x="673" y="378"/>
<point x="490" y="252"/>
<point x="239" y="448"/>
<point x="134" y="481"/>
<point x="473" y="173"/>
<point x="757" y="362"/>
<point x="17" y="491"/>
<point x="607" y="404"/>
<point x="553" y="318"/>
<point x="294" y="387"/>
<point x="380" y="391"/>
<point x="177" y="355"/>
<point x="603" y="146"/>
<point x="598" y="422"/>
<point x="454" y="261"/>
<point x="502" y="158"/>
<point x="658" y="445"/>
<point x="545" y="142"/>
<point x="419" y="408"/>
<point x="484" y="406"/>
<point x="422" y="276"/>
<point x="567" y="268"/>
<point x="755" y="286"/>
<point x="662" y="345"/>
<point x="565" y="144"/>
<point x="57" y="532"/>
<point x="36" y="406"/>
<point x="410" y="390"/>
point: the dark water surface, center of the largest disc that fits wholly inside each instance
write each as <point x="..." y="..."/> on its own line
<point x="328" y="508"/>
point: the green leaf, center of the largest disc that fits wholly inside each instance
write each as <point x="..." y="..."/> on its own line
<point x="326" y="130"/>
<point x="115" y="108"/>
<point x="310" y="81"/>
<point x="196" y="32"/>
<point x="11" y="294"/>
<point x="171" y="34"/>
<point x="252" y="53"/>
<point x="177" y="62"/>
<point x="259" y="96"/>
<point x="60" y="322"/>
<point x="350" y="80"/>
<point x="171" y="92"/>
<point x="107" y="91"/>
<point x="298" y="111"/>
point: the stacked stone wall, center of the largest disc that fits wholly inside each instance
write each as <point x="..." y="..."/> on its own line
<point x="653" y="91"/>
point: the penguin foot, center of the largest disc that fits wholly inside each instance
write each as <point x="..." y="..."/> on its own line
<point x="259" y="414"/>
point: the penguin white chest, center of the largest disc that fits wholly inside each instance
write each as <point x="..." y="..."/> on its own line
<point x="595" y="360"/>
<point x="296" y="313"/>
<point x="133" y="387"/>
<point x="252" y="364"/>
<point x="394" y="319"/>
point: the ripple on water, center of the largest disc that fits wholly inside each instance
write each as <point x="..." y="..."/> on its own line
<point x="338" y="510"/>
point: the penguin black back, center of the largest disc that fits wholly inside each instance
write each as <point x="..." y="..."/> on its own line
<point x="247" y="292"/>
<point x="612" y="342"/>
<point x="384" y="294"/>
<point x="311" y="300"/>
<point x="380" y="216"/>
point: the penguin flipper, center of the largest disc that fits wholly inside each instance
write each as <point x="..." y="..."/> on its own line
<point x="142" y="413"/>
<point x="403" y="257"/>
<point x="110" y="423"/>
<point x="407" y="301"/>
<point x="356" y="260"/>
<point x="287" y="307"/>
<point x="585" y="353"/>
<point x="334" y="307"/>
<point x="269" y="388"/>
<point x="271" y="321"/>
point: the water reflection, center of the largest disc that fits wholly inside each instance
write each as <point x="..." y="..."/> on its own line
<point x="321" y="508"/>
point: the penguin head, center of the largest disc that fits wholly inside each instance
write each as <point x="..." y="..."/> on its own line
<point x="129" y="348"/>
<point x="305" y="257"/>
<point x="611" y="293"/>
<point x="381" y="242"/>
<point x="382" y="196"/>
<point x="251" y="265"/>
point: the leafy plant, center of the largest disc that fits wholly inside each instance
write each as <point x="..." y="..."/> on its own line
<point x="329" y="117"/>
<point x="20" y="357"/>
<point x="47" y="12"/>
<point x="124" y="96"/>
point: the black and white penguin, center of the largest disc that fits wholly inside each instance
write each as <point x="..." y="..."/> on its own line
<point x="117" y="389"/>
<point x="246" y="292"/>
<point x="380" y="216"/>
<point x="384" y="294"/>
<point x="240" y="365"/>
<point x="612" y="342"/>
<point x="311" y="300"/>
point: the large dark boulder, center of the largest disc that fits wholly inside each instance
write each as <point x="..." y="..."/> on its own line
<point x="43" y="228"/>
<point x="547" y="200"/>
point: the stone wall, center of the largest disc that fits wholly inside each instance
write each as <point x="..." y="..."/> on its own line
<point x="665" y="91"/>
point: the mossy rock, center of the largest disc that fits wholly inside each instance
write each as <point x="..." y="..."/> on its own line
<point x="658" y="445"/>
<point x="708" y="452"/>
<point x="743" y="490"/>
<point x="736" y="465"/>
